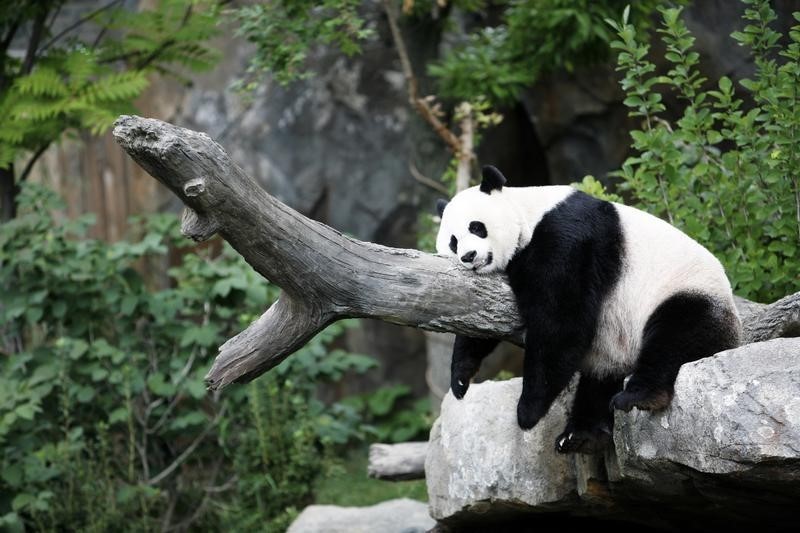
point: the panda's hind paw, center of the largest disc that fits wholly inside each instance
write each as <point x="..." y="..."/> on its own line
<point x="647" y="400"/>
<point x="587" y="441"/>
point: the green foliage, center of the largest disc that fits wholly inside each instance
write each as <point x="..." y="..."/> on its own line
<point x="349" y="485"/>
<point x="392" y="414"/>
<point x="105" y="422"/>
<point x="535" y="37"/>
<point x="285" y="32"/>
<point x="724" y="172"/>
<point x="76" y="84"/>
<point x="590" y="185"/>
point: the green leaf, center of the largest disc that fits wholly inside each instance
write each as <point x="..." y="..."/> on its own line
<point x="205" y="336"/>
<point x="128" y="304"/>
<point x="22" y="501"/>
<point x="26" y="411"/>
<point x="158" y="385"/>
<point x="381" y="401"/>
<point x="12" y="475"/>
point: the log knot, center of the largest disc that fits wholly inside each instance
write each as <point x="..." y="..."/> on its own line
<point x="195" y="187"/>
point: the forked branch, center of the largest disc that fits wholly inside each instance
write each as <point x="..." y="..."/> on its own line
<point x="325" y="276"/>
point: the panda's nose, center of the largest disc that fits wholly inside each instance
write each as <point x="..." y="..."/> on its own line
<point x="469" y="256"/>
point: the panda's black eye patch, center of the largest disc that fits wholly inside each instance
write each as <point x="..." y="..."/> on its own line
<point x="453" y="243"/>
<point x="478" y="228"/>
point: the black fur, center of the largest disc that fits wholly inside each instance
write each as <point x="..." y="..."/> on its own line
<point x="478" y="229"/>
<point x="560" y="281"/>
<point x="685" y="327"/>
<point x="493" y="179"/>
<point x="591" y="421"/>
<point x="441" y="203"/>
<point x="468" y="352"/>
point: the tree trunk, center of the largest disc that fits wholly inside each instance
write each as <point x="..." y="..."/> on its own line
<point x="325" y="276"/>
<point x="8" y="194"/>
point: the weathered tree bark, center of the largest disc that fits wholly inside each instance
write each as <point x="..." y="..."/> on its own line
<point x="778" y="319"/>
<point x="326" y="276"/>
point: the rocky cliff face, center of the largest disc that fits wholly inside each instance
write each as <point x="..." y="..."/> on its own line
<point x="725" y="452"/>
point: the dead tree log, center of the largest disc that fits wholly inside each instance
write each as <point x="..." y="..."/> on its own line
<point x="327" y="276"/>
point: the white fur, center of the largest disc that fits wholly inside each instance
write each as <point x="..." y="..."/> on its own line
<point x="509" y="214"/>
<point x="660" y="260"/>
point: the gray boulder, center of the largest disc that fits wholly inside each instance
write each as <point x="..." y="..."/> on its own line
<point x="394" y="516"/>
<point x="726" y="452"/>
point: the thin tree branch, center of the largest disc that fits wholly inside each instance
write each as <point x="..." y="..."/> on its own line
<point x="467" y="141"/>
<point x="4" y="44"/>
<point x="29" y="165"/>
<point x="188" y="451"/>
<point x="78" y="23"/>
<point x="33" y="44"/>
<point x="425" y="180"/>
<point x="420" y="104"/>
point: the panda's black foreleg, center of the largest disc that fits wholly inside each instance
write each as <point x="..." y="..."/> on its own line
<point x="547" y="370"/>
<point x="468" y="352"/>
<point x="590" y="422"/>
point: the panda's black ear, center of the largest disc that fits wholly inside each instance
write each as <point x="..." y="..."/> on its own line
<point x="441" y="203"/>
<point x="493" y="179"/>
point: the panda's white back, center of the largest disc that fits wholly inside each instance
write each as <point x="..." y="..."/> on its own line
<point x="660" y="261"/>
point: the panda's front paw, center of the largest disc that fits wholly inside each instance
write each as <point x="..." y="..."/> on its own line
<point x="529" y="412"/>
<point x="459" y="386"/>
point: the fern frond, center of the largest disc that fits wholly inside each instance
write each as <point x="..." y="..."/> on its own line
<point x="116" y="87"/>
<point x="81" y="66"/>
<point x="34" y="110"/>
<point x="11" y="133"/>
<point x="44" y="81"/>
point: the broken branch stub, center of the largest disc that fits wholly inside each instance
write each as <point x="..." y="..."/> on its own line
<point x="326" y="276"/>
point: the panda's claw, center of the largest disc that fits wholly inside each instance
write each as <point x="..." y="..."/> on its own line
<point x="459" y="388"/>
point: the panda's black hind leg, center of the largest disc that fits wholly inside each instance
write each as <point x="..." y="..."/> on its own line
<point x="591" y="421"/>
<point x="685" y="327"/>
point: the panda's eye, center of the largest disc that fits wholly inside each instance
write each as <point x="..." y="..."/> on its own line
<point x="453" y="243"/>
<point x="478" y="228"/>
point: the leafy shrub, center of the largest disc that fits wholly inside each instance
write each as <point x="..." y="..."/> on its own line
<point x="75" y="82"/>
<point x="535" y="37"/>
<point x="727" y="171"/>
<point x="392" y="415"/>
<point x="105" y="422"/>
<point x="285" y="32"/>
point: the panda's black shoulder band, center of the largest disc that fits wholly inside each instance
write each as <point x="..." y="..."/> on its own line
<point x="493" y="179"/>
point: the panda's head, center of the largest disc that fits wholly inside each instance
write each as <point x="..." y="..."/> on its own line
<point x="480" y="228"/>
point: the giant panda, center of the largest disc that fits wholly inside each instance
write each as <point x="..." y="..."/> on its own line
<point x="604" y="289"/>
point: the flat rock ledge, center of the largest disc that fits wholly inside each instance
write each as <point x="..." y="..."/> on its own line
<point x="725" y="453"/>
<point x="402" y="515"/>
